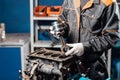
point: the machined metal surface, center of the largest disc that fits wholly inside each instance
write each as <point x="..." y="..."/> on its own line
<point x="50" y="55"/>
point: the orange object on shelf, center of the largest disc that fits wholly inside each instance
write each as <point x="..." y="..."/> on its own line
<point x="40" y="11"/>
<point x="54" y="10"/>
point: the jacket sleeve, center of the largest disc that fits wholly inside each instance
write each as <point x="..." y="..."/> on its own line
<point x="63" y="15"/>
<point x="110" y="33"/>
<point x="62" y="19"/>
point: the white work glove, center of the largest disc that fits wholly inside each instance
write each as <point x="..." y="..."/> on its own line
<point x="77" y="49"/>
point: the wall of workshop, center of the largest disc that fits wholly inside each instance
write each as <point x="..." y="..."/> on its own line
<point x="15" y="14"/>
<point x="0" y="11"/>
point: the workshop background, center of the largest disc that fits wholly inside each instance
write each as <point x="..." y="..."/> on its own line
<point x="16" y="16"/>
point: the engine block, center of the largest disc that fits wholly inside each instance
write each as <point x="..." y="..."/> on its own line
<point x="46" y="64"/>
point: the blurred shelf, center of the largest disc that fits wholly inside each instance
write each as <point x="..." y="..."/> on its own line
<point x="37" y="23"/>
<point x="46" y="44"/>
<point x="45" y="18"/>
<point x="15" y="39"/>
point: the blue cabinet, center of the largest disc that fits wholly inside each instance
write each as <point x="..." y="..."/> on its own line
<point x="10" y="63"/>
<point x="13" y="53"/>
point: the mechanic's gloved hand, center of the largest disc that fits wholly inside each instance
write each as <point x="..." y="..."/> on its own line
<point x="77" y="49"/>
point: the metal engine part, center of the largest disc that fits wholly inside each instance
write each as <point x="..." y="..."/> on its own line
<point x="2" y="32"/>
<point x="56" y="31"/>
<point x="46" y="64"/>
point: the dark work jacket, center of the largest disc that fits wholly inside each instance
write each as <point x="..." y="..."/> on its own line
<point x="97" y="26"/>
